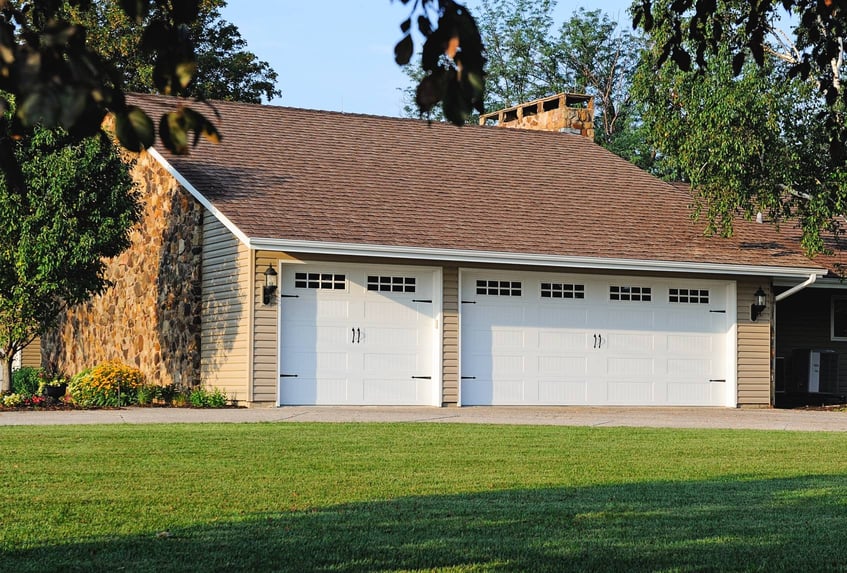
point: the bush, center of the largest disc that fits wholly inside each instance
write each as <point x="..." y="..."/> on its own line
<point x="202" y="398"/>
<point x="146" y="394"/>
<point x="107" y="384"/>
<point x="25" y="380"/>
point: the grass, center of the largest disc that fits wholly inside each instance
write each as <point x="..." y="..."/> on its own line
<point x="410" y="497"/>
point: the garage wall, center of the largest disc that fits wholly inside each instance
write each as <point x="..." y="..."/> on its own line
<point x="450" y="334"/>
<point x="754" y="346"/>
<point x="224" y="317"/>
<point x="265" y="327"/>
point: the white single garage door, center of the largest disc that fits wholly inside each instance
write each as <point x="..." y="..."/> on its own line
<point x="353" y="334"/>
<point x="532" y="338"/>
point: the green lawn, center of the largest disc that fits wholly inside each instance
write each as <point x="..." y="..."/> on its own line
<point x="409" y="497"/>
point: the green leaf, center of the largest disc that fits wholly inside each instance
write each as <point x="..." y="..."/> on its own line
<point x="403" y="50"/>
<point x="134" y="129"/>
<point x="172" y="132"/>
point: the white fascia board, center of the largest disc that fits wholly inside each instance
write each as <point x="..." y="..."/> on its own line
<point x="493" y="257"/>
<point x="199" y="196"/>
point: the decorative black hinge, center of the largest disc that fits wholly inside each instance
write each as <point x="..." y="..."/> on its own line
<point x="468" y="377"/>
<point x="719" y="311"/>
<point x="288" y="375"/>
<point x="717" y="380"/>
<point x="468" y="302"/>
<point x="421" y="377"/>
<point x="421" y="300"/>
<point x="289" y="296"/>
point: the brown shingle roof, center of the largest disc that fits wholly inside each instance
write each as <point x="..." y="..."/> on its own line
<point x="294" y="174"/>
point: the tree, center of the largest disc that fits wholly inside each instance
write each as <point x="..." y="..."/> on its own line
<point x="226" y="70"/>
<point x="77" y="208"/>
<point x="772" y="138"/>
<point x="695" y="37"/>
<point x="528" y="59"/>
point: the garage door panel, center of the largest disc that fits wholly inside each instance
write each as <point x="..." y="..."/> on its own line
<point x="563" y="392"/>
<point x="630" y="343"/>
<point x="326" y="309"/>
<point x="563" y="366"/>
<point x="621" y="318"/>
<point x="631" y="367"/>
<point x="390" y="312"/>
<point x="628" y="392"/>
<point x="507" y="339"/>
<point x="690" y="368"/>
<point x="562" y="341"/>
<point x="393" y="392"/>
<point x="690" y="344"/>
<point x="550" y="315"/>
<point x="680" y="393"/>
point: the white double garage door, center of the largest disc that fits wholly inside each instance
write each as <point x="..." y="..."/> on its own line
<point x="360" y="335"/>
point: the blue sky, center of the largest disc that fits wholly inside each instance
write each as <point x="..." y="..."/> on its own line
<point x="336" y="55"/>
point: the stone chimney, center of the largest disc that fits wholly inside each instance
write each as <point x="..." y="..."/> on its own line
<point x="565" y="113"/>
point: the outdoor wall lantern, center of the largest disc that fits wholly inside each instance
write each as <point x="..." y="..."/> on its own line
<point x="270" y="285"/>
<point x="759" y="305"/>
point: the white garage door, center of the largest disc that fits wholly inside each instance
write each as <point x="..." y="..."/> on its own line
<point x="531" y="338"/>
<point x="360" y="335"/>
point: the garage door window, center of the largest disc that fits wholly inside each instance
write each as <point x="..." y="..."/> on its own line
<point x="498" y="288"/>
<point x="391" y="284"/>
<point x="630" y="293"/>
<point x="320" y="281"/>
<point x="691" y="296"/>
<point x="562" y="290"/>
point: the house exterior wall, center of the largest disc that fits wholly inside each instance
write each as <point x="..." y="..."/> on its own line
<point x="754" y="346"/>
<point x="450" y="336"/>
<point x="150" y="317"/>
<point x="803" y="321"/>
<point x="225" y="310"/>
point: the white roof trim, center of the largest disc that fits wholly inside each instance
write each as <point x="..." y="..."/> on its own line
<point x="493" y="257"/>
<point x="199" y="196"/>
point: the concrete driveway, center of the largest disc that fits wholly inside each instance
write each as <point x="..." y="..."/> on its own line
<point x="727" y="418"/>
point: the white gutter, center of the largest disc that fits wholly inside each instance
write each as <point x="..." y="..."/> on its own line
<point x="495" y="257"/>
<point x="809" y="281"/>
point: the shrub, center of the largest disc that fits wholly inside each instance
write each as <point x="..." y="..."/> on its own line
<point x="107" y="384"/>
<point x="146" y="394"/>
<point x="25" y="380"/>
<point x="13" y="400"/>
<point x="202" y="398"/>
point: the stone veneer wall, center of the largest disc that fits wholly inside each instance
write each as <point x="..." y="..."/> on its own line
<point x="150" y="318"/>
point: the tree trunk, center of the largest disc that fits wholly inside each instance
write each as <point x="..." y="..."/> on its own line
<point x="5" y="374"/>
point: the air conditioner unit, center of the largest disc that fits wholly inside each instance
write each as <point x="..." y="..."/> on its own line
<point x="815" y="370"/>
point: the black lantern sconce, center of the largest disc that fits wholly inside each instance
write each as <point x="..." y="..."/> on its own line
<point x="759" y="305"/>
<point x="270" y="285"/>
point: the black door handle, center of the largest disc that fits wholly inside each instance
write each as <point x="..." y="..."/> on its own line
<point x="595" y="341"/>
<point x="358" y="336"/>
<point x="601" y="341"/>
<point x="354" y="336"/>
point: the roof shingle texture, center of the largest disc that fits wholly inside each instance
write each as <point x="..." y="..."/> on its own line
<point x="285" y="173"/>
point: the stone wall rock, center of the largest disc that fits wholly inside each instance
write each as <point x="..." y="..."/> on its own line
<point x="150" y="317"/>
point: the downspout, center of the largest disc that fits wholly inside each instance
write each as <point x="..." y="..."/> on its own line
<point x="797" y="288"/>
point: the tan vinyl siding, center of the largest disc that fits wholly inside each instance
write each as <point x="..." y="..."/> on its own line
<point x="31" y="355"/>
<point x="450" y="341"/>
<point x="224" y="320"/>
<point x="265" y="332"/>
<point x="754" y="347"/>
